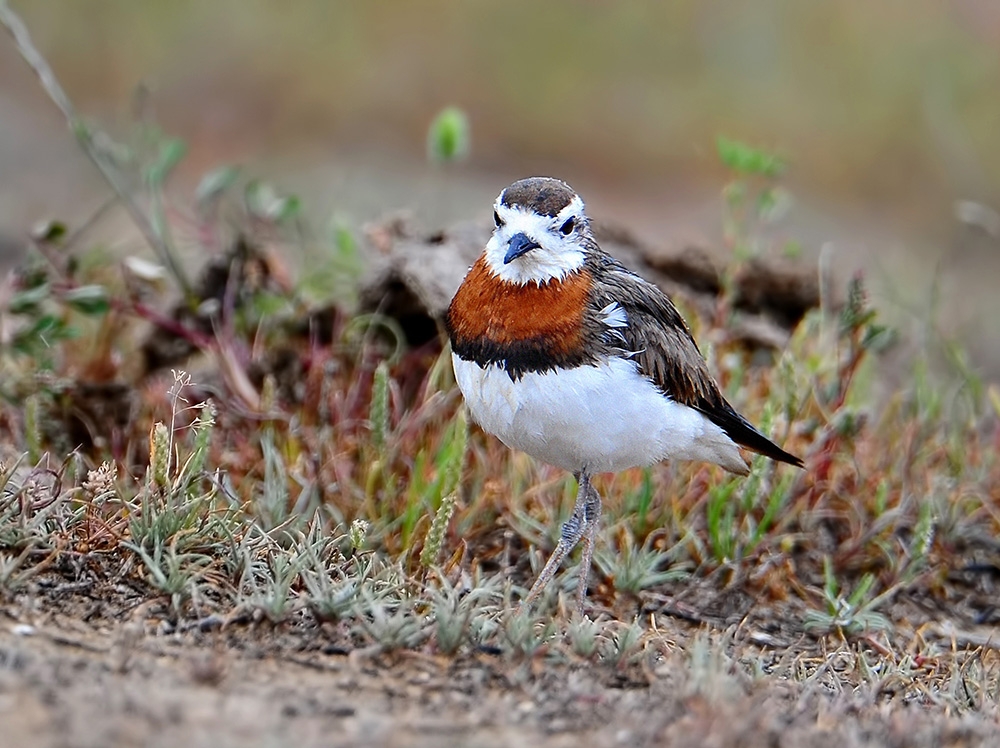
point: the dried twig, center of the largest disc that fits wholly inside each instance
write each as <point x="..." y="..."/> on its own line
<point x="95" y="144"/>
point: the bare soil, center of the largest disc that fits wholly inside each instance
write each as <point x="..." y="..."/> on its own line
<point x="91" y="663"/>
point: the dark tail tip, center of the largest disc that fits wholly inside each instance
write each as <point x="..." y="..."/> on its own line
<point x="743" y="433"/>
<point x="777" y="453"/>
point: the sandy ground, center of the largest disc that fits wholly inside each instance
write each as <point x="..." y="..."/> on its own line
<point x="85" y="664"/>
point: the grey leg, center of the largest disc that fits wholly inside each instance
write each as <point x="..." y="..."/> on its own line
<point x="576" y="527"/>
<point x="593" y="521"/>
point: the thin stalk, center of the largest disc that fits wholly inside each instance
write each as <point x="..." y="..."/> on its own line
<point x="94" y="150"/>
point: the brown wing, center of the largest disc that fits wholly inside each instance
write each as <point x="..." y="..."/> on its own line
<point x="659" y="341"/>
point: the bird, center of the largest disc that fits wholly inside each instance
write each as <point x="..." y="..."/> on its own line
<point x="563" y="353"/>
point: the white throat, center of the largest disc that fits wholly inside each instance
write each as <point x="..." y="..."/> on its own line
<point x="557" y="255"/>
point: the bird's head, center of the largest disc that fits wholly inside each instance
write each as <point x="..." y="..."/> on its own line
<point x="541" y="232"/>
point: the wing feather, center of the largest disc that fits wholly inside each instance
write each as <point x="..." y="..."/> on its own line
<point x="658" y="339"/>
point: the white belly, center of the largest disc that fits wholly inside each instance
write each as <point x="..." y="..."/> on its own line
<point x="600" y="418"/>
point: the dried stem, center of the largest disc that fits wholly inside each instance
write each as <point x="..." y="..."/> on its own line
<point x="90" y="143"/>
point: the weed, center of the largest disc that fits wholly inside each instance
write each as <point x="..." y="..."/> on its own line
<point x="583" y="635"/>
<point x="453" y="608"/>
<point x="391" y="624"/>
<point x="634" y="568"/>
<point x="623" y="645"/>
<point x="851" y="614"/>
<point x="171" y="572"/>
<point x="525" y="634"/>
<point x="448" y="136"/>
<point x="14" y="568"/>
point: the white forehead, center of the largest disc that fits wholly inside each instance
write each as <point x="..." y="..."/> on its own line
<point x="557" y="256"/>
<point x="507" y="212"/>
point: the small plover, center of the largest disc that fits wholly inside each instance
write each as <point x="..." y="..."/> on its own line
<point x="563" y="353"/>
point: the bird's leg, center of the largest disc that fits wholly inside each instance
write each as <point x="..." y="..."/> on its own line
<point x="592" y="515"/>
<point x="574" y="529"/>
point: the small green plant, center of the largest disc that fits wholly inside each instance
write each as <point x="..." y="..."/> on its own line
<point x="173" y="573"/>
<point x="390" y="624"/>
<point x="453" y="608"/>
<point x="332" y="572"/>
<point x="720" y="517"/>
<point x="32" y="506"/>
<point x="624" y="644"/>
<point x="15" y="569"/>
<point x="50" y="305"/>
<point x="450" y="462"/>
<point x="448" y="136"/>
<point x="584" y="637"/>
<point x="525" y="634"/>
<point x="177" y="501"/>
<point x="753" y="197"/>
<point x="634" y="567"/>
<point x="854" y="613"/>
<point x="711" y="672"/>
<point x="269" y="582"/>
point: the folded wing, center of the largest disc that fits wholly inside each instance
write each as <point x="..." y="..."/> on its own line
<point x="659" y="341"/>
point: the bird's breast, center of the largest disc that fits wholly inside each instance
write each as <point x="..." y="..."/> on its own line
<point x="530" y="327"/>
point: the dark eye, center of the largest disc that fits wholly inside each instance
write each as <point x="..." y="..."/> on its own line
<point x="497" y="219"/>
<point x="567" y="228"/>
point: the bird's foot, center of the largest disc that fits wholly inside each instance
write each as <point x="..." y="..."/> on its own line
<point x="582" y="524"/>
<point x="592" y="520"/>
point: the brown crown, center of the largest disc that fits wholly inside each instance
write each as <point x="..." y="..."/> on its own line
<point x="544" y="195"/>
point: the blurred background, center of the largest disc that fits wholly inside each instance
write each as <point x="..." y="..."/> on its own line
<point x="888" y="114"/>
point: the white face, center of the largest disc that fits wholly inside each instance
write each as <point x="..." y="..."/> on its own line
<point x="559" y="252"/>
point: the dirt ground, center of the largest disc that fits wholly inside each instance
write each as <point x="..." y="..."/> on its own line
<point x="89" y="664"/>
